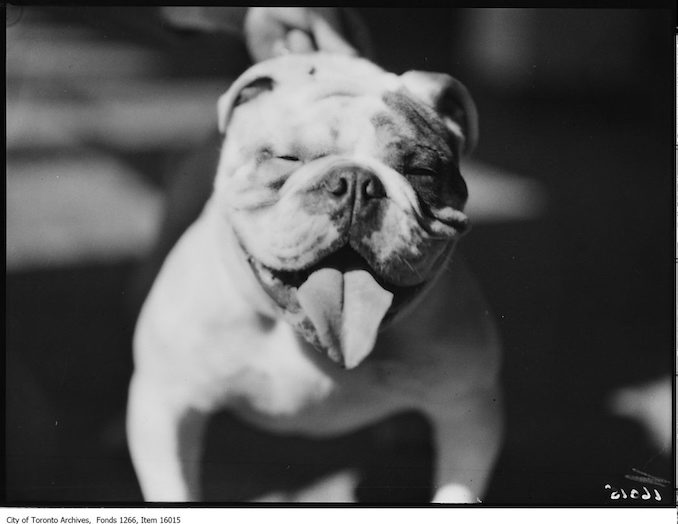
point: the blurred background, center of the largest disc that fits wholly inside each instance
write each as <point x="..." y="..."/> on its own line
<point x="572" y="200"/>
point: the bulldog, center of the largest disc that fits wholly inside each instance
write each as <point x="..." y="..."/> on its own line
<point x="316" y="292"/>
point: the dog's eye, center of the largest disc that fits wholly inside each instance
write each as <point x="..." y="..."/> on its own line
<point x="420" y="171"/>
<point x="289" y="158"/>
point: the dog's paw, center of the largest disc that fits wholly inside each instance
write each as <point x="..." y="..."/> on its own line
<point x="455" y="494"/>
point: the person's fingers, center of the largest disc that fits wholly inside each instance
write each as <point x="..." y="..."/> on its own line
<point x="325" y="27"/>
<point x="279" y="48"/>
<point x="272" y="31"/>
<point x="294" y="17"/>
<point x="266" y="29"/>
<point x="299" y="42"/>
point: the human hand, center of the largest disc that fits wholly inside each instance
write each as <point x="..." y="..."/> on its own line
<point x="271" y="31"/>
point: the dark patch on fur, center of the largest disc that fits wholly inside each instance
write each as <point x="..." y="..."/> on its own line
<point x="263" y="153"/>
<point x="368" y="217"/>
<point x="428" y="128"/>
<point x="383" y="119"/>
<point x="424" y="152"/>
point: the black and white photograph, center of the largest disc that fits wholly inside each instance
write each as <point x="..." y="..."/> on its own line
<point x="373" y="256"/>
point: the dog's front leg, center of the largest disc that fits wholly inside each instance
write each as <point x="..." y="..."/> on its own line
<point x="467" y="436"/>
<point x="165" y="441"/>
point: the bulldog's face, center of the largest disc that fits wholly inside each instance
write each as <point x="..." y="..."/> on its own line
<point x="341" y="183"/>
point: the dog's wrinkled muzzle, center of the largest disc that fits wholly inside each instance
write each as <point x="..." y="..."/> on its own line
<point x="346" y="309"/>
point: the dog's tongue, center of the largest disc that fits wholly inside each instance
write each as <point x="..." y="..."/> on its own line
<point x="346" y="310"/>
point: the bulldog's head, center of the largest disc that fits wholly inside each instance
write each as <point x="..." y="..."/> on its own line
<point x="341" y="183"/>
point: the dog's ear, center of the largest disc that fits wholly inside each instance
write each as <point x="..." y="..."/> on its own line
<point x="450" y="99"/>
<point x="243" y="90"/>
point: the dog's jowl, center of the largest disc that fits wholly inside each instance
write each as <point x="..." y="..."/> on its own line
<point x="318" y="292"/>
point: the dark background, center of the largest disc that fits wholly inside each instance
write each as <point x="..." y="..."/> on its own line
<point x="579" y="101"/>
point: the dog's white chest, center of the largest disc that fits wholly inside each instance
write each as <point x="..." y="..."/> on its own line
<point x="275" y="379"/>
<point x="272" y="393"/>
<point x="277" y="383"/>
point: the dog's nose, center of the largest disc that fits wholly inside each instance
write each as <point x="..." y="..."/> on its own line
<point x="370" y="186"/>
<point x="337" y="185"/>
<point x="346" y="181"/>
